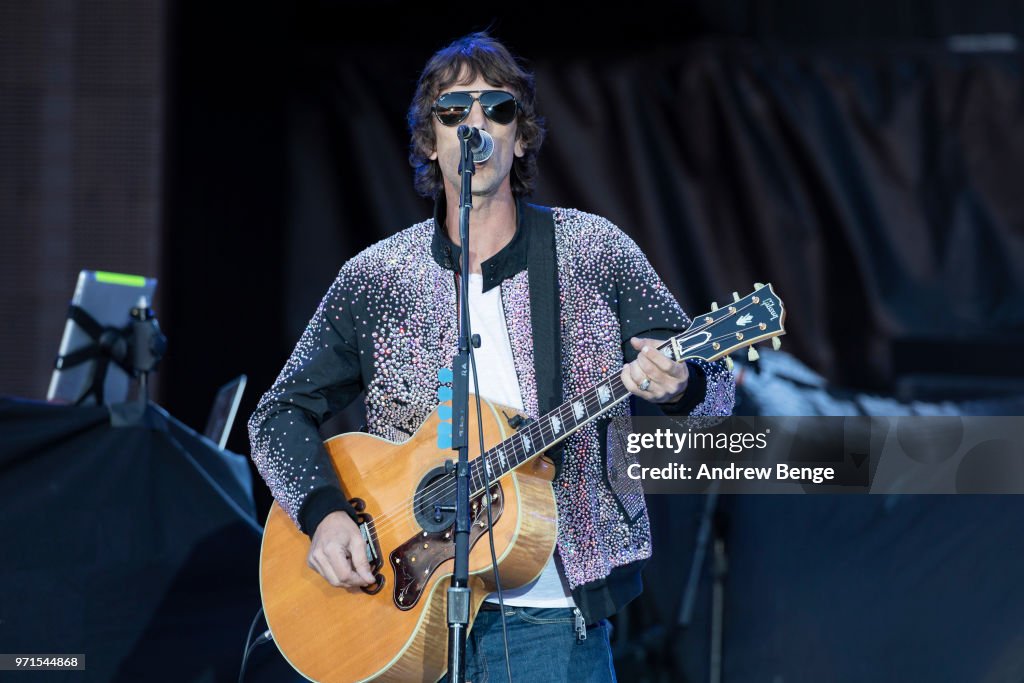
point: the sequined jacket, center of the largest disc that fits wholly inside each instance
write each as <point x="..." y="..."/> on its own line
<point x="387" y="324"/>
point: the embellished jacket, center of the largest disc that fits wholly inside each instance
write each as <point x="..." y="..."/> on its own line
<point x="388" y="323"/>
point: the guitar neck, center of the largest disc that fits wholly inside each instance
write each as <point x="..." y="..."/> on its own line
<point x="541" y="434"/>
<point x="743" y="322"/>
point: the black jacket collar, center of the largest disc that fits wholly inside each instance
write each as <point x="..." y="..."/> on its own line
<point x="503" y="265"/>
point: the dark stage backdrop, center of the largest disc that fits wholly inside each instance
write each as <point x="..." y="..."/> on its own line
<point x="872" y="181"/>
<point x="877" y="193"/>
<point x="81" y="160"/>
<point x="127" y="539"/>
<point x="874" y="186"/>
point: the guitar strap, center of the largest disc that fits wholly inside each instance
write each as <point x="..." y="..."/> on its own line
<point x="545" y="311"/>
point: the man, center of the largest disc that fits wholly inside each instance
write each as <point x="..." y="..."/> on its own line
<point x="388" y="323"/>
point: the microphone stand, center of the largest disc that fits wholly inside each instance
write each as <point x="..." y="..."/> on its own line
<point x="459" y="592"/>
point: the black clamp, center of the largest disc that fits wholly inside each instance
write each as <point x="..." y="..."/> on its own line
<point x="136" y="348"/>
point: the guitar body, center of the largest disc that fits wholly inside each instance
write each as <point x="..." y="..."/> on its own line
<point x="397" y="629"/>
<point x="399" y="632"/>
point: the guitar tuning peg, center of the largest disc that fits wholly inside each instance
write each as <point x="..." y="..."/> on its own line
<point x="728" y="363"/>
<point x="776" y="343"/>
<point x="714" y="305"/>
<point x="758" y="285"/>
<point x="735" y="296"/>
<point x="752" y="354"/>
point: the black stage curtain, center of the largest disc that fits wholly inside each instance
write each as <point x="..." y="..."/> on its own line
<point x="127" y="538"/>
<point x="837" y="588"/>
<point x="876" y="192"/>
<point x="874" y="185"/>
<point x="884" y="588"/>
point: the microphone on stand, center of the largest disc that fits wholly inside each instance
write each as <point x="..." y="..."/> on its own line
<point x="480" y="143"/>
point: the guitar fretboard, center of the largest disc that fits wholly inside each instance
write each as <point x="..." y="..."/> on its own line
<point x="546" y="431"/>
<point x="743" y="322"/>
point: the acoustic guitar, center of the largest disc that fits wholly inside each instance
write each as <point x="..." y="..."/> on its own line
<point x="396" y="630"/>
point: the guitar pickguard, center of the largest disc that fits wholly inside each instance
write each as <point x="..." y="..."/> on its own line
<point x="416" y="560"/>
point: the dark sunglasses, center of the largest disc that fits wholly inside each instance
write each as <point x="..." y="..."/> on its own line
<point x="453" y="108"/>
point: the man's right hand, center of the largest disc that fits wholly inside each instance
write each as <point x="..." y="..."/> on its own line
<point x="338" y="552"/>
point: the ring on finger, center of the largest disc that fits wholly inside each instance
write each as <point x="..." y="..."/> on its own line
<point x="645" y="385"/>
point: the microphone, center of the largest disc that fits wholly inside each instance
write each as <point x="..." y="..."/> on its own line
<point x="480" y="143"/>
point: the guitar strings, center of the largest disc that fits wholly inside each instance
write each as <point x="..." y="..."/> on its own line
<point x="445" y="488"/>
<point x="439" y="491"/>
<point x="442" y="489"/>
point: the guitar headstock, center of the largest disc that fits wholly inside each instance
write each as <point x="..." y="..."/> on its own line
<point x="743" y="322"/>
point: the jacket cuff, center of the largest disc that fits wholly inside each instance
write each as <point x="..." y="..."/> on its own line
<point x="320" y="503"/>
<point x="696" y="392"/>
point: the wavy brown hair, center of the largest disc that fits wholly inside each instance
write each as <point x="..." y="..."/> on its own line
<point x="478" y="54"/>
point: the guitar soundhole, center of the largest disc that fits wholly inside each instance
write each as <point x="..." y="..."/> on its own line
<point x="436" y="490"/>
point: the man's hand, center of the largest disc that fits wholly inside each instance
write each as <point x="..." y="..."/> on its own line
<point x="652" y="376"/>
<point x="338" y="552"/>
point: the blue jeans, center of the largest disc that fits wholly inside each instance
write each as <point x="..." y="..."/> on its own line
<point x="543" y="647"/>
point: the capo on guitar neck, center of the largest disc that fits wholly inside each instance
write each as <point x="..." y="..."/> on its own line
<point x="516" y="421"/>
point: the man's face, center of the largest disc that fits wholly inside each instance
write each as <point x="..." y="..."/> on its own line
<point x="492" y="174"/>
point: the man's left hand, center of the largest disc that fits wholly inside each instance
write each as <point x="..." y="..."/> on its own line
<point x="652" y="376"/>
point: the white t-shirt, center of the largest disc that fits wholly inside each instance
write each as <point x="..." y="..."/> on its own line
<point x="499" y="383"/>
